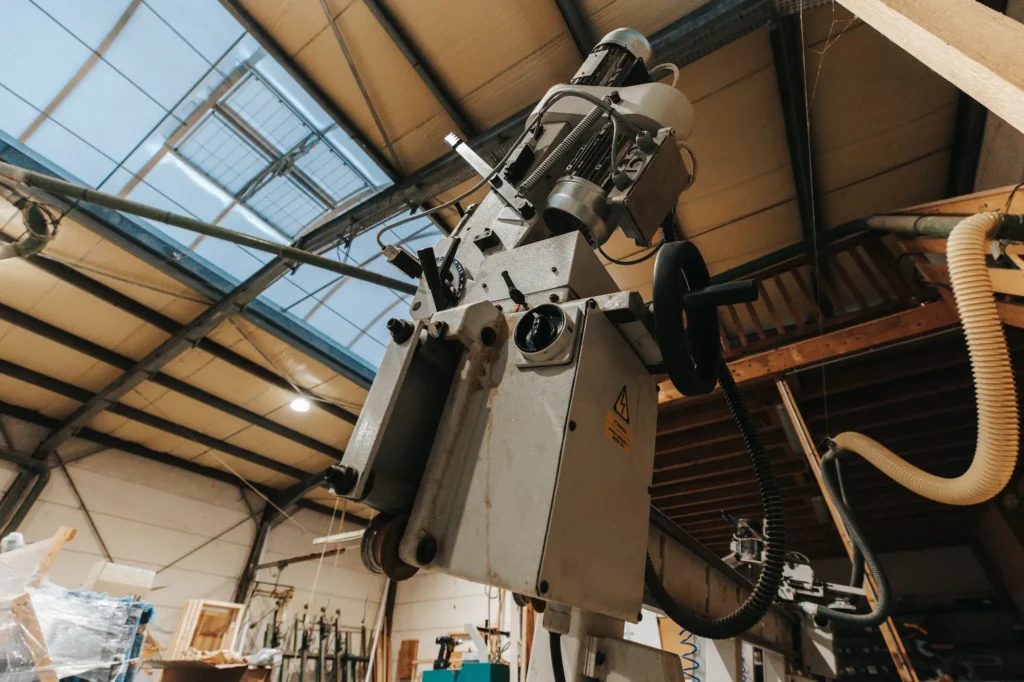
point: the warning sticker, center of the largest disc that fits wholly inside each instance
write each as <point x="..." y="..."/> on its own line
<point x="618" y="432"/>
<point x="622" y="405"/>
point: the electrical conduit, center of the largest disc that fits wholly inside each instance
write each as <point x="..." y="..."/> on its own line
<point x="998" y="431"/>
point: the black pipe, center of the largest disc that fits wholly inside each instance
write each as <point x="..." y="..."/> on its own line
<point x="874" y="567"/>
<point x="555" y="641"/>
<point x="42" y="472"/>
<point x="763" y="594"/>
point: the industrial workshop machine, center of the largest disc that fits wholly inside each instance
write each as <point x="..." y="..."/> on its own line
<point x="508" y="438"/>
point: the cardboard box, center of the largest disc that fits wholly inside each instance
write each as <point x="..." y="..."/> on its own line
<point x="198" y="671"/>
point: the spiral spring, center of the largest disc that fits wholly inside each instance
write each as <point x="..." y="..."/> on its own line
<point x="690" y="662"/>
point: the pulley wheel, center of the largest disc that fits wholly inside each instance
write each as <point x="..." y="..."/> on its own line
<point x="688" y="337"/>
<point x="379" y="547"/>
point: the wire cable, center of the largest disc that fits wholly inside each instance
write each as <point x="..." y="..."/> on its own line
<point x="636" y="261"/>
<point x="767" y="586"/>
<point x="690" y="662"/>
<point x="557" y="667"/>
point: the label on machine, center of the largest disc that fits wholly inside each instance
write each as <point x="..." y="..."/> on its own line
<point x="614" y="427"/>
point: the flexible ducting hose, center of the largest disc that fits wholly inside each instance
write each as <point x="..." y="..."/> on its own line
<point x="856" y="559"/>
<point x="39" y="230"/>
<point x="763" y="594"/>
<point x="561" y="150"/>
<point x="998" y="432"/>
<point x="883" y="595"/>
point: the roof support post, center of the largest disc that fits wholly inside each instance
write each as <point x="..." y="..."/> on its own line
<point x="892" y="638"/>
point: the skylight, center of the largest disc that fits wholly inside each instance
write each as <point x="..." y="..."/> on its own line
<point x="184" y="111"/>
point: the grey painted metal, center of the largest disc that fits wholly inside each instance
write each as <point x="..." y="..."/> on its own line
<point x="578" y="26"/>
<point x="42" y="473"/>
<point x="787" y="49"/>
<point x="73" y="191"/>
<point x="138" y="450"/>
<point x="268" y="43"/>
<point x="97" y="352"/>
<point x="422" y="68"/>
<point x="73" y="392"/>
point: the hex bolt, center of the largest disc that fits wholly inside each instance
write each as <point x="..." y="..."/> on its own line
<point x="553" y="298"/>
<point x="591" y="303"/>
<point x="342" y="479"/>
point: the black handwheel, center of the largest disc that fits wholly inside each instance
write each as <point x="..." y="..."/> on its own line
<point x="690" y="349"/>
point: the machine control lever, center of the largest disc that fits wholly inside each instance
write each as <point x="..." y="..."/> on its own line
<point x="518" y="297"/>
<point x="432" y="276"/>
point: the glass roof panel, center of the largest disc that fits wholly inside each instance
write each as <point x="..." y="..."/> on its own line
<point x="154" y="57"/>
<point x="221" y="153"/>
<point x="184" y="112"/>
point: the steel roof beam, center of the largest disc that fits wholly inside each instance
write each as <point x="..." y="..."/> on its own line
<point x="267" y="42"/>
<point x="138" y="450"/>
<point x="81" y="395"/>
<point x="86" y="347"/>
<point x="578" y="26"/>
<point x="422" y="68"/>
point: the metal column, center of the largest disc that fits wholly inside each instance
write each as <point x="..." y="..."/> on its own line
<point x="888" y="628"/>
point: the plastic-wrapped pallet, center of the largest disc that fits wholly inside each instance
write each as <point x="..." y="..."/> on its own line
<point x="48" y="632"/>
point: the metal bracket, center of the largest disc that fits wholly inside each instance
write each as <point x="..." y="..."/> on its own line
<point x="508" y="193"/>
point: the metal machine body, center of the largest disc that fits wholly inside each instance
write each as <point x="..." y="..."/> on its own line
<point x="508" y="438"/>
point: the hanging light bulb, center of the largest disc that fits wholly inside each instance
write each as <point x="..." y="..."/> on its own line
<point x="300" y="404"/>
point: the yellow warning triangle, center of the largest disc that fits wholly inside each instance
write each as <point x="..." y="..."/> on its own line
<point x="622" y="405"/>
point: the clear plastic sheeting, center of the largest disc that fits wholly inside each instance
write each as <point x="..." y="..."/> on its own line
<point x="48" y="632"/>
<point x="65" y="632"/>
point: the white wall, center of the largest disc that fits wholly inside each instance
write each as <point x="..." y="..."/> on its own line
<point x="429" y="605"/>
<point x="150" y="515"/>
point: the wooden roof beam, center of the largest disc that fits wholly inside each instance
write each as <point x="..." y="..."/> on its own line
<point x="964" y="41"/>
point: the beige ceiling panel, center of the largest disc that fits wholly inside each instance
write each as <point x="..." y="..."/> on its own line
<point x="272" y="445"/>
<point x="34" y="398"/>
<point x="42" y="355"/>
<point x="316" y="423"/>
<point x="722" y="68"/>
<point x="105" y="422"/>
<point x="252" y="473"/>
<point x="188" y="449"/>
<point x="739" y="140"/>
<point x="228" y="382"/>
<point x="293" y="23"/>
<point x="96" y="376"/>
<point x="726" y="205"/>
<point x="477" y="42"/>
<point x="647" y="17"/>
<point x="269" y="401"/>
<point x="194" y="415"/>
<point x="188" y="363"/>
<point x="869" y="86"/>
<point x="22" y="285"/>
<point x="425" y="142"/>
<point x="751" y="237"/>
<point x="83" y="315"/>
<point x="141" y="342"/>
<point x="399" y="96"/>
<point x="317" y="461"/>
<point x="150" y="391"/>
<point x="146" y="435"/>
<point x="476" y="197"/>
<point x="860" y="159"/>
<point x="524" y="83"/>
<point x="342" y="391"/>
<point x="914" y="183"/>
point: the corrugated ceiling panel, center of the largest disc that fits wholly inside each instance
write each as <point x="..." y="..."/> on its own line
<point x="315" y="424"/>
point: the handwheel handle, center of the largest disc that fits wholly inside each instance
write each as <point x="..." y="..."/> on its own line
<point x="691" y="350"/>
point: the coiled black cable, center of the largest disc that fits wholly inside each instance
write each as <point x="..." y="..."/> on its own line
<point x="555" y="641"/>
<point x="883" y="593"/>
<point x="761" y="598"/>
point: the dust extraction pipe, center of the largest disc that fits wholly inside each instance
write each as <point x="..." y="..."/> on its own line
<point x="998" y="432"/>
